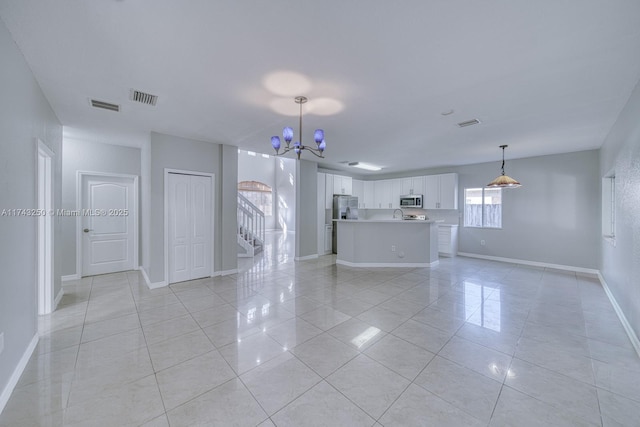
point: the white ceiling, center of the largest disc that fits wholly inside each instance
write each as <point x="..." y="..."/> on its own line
<point x="543" y="76"/>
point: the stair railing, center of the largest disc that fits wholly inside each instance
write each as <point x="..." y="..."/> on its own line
<point x="251" y="223"/>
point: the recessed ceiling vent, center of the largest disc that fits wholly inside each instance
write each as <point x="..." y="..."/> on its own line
<point x="143" y="97"/>
<point x="105" y="105"/>
<point x="469" y="123"/>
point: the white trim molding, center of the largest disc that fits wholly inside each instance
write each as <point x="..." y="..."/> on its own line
<point x="17" y="372"/>
<point x="623" y="319"/>
<point x="225" y="272"/>
<point x="58" y="299"/>
<point x="147" y="281"/>
<point x="388" y="264"/>
<point x="79" y="201"/>
<point x="531" y="263"/>
<point x="305" y="258"/>
<point x="70" y="278"/>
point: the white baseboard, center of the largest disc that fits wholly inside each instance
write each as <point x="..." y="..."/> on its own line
<point x="58" y="298"/>
<point x="387" y="264"/>
<point x="17" y="372"/>
<point x="305" y="258"/>
<point x="531" y="263"/>
<point x="150" y="285"/>
<point x="70" y="277"/>
<point x="623" y="319"/>
<point x="224" y="272"/>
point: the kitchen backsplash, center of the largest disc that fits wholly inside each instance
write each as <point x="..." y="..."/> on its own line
<point x="448" y="216"/>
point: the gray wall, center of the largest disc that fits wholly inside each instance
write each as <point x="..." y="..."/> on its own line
<point x="258" y="168"/>
<point x="306" y="202"/>
<point x="185" y="154"/>
<point x="25" y="115"/>
<point x="620" y="264"/>
<point x="88" y="157"/>
<point x="553" y="218"/>
<point x="285" y="203"/>
<point x="227" y="210"/>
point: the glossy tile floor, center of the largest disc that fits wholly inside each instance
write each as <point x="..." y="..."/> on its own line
<point x="310" y="343"/>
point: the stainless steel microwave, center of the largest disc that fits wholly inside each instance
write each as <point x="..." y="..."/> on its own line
<point x="411" y="201"/>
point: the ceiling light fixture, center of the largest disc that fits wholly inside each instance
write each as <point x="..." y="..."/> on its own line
<point x="365" y="166"/>
<point x="287" y="134"/>
<point x="504" y="181"/>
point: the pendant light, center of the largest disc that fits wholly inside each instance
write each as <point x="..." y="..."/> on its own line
<point x="504" y="181"/>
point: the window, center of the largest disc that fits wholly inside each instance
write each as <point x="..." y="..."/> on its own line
<point x="609" y="207"/>
<point x="259" y="194"/>
<point x="483" y="207"/>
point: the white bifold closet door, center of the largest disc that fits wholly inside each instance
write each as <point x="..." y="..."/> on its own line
<point x="190" y="223"/>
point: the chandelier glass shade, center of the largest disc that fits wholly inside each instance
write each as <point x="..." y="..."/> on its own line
<point x="504" y="181"/>
<point x="298" y="147"/>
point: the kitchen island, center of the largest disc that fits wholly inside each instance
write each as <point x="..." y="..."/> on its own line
<point x="387" y="243"/>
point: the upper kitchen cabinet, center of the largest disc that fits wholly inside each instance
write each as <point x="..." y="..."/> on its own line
<point x="342" y="185"/>
<point x="358" y="191"/>
<point x="383" y="194"/>
<point x="369" y="195"/>
<point x="396" y="192"/>
<point x="441" y="191"/>
<point x="412" y="185"/>
<point x="328" y="190"/>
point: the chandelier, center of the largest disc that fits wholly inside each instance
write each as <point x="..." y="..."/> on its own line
<point x="297" y="147"/>
<point x="504" y="181"/>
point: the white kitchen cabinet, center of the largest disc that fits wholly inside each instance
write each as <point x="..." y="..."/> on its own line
<point x="321" y="186"/>
<point x="328" y="238"/>
<point x="447" y="240"/>
<point x="342" y="184"/>
<point x="328" y="192"/>
<point x="358" y="191"/>
<point x="449" y="191"/>
<point x="441" y="191"/>
<point x="412" y="185"/>
<point x="396" y="192"/>
<point x="369" y="194"/>
<point x="382" y="194"/>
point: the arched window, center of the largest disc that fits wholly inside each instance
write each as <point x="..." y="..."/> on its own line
<point x="258" y="193"/>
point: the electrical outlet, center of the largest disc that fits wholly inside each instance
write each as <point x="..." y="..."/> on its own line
<point x="1" y="342"/>
<point x="482" y="242"/>
<point x="393" y="248"/>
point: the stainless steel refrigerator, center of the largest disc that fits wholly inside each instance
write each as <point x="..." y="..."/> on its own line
<point x="344" y="207"/>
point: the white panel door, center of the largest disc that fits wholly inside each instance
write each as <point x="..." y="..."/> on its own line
<point x="190" y="224"/>
<point x="200" y="226"/>
<point x="108" y="224"/>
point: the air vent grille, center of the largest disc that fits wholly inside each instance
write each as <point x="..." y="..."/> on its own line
<point x="104" y="105"/>
<point x="143" y="97"/>
<point x="469" y="123"/>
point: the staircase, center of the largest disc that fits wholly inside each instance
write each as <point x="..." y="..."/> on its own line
<point x="250" y="227"/>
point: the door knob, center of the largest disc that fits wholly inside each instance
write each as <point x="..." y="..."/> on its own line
<point x="86" y="230"/>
